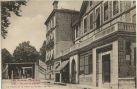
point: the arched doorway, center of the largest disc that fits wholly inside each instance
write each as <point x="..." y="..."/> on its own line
<point x="73" y="80"/>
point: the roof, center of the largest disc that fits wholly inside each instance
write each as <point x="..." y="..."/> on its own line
<point x="83" y="7"/>
<point x="60" y="10"/>
<point x="82" y="11"/>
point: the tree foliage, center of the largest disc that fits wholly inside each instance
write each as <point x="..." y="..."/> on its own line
<point x="43" y="52"/>
<point x="25" y="53"/>
<point x="6" y="8"/>
<point x="6" y="56"/>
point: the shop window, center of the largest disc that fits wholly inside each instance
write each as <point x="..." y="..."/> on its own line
<point x="90" y="64"/>
<point x="115" y="7"/>
<point x="85" y="25"/>
<point x="106" y="11"/>
<point x="97" y="17"/>
<point x="86" y="64"/>
<point x="106" y="68"/>
<point x="91" y="21"/>
<point x="128" y="52"/>
<point x="82" y="65"/>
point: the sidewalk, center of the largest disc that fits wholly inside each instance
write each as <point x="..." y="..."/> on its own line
<point x="80" y="86"/>
<point x="75" y="86"/>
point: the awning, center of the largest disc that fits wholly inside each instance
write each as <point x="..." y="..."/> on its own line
<point x="42" y="64"/>
<point x="63" y="64"/>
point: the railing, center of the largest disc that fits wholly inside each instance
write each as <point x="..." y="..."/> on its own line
<point x="119" y="26"/>
<point x="129" y="27"/>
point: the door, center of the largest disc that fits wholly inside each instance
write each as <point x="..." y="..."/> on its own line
<point x="106" y="68"/>
<point x="73" y="72"/>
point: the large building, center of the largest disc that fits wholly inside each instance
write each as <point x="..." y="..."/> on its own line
<point x="58" y="37"/>
<point x="102" y="50"/>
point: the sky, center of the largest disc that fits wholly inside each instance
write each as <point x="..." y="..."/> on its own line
<point x="30" y="26"/>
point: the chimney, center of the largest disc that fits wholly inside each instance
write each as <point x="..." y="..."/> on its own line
<point x="55" y="5"/>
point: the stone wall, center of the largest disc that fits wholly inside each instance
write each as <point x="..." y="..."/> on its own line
<point x="86" y="79"/>
<point x="127" y="83"/>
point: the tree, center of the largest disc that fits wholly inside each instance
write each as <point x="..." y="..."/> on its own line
<point x="25" y="53"/>
<point x="6" y="56"/>
<point x="6" y="8"/>
<point x="43" y="52"/>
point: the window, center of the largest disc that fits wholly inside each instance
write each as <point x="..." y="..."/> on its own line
<point x="90" y="2"/>
<point x="97" y="17"/>
<point x="134" y="2"/>
<point x="106" y="11"/>
<point x="128" y="52"/>
<point x="86" y="64"/>
<point x="85" y="25"/>
<point x="91" y="21"/>
<point x="115" y="7"/>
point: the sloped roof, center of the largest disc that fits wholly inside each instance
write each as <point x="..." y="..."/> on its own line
<point x="82" y="11"/>
<point x="83" y="7"/>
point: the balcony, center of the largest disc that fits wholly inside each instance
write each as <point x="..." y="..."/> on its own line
<point x="100" y="33"/>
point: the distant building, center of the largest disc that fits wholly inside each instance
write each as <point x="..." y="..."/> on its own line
<point x="24" y="70"/>
<point x="96" y="46"/>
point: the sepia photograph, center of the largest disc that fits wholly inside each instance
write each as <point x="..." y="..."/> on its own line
<point x="68" y="44"/>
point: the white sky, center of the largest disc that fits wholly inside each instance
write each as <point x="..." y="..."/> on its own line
<point x="30" y="27"/>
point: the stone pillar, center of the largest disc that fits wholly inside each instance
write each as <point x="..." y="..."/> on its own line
<point x="100" y="70"/>
<point x="94" y="67"/>
<point x="70" y="74"/>
<point x="77" y="68"/>
<point x="114" y="66"/>
<point x="60" y="77"/>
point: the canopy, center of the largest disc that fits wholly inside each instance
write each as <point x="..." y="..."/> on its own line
<point x="63" y="64"/>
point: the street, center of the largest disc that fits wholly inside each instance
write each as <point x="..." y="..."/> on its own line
<point x="35" y="84"/>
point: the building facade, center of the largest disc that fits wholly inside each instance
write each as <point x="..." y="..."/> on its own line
<point x="58" y="34"/>
<point x="102" y="50"/>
